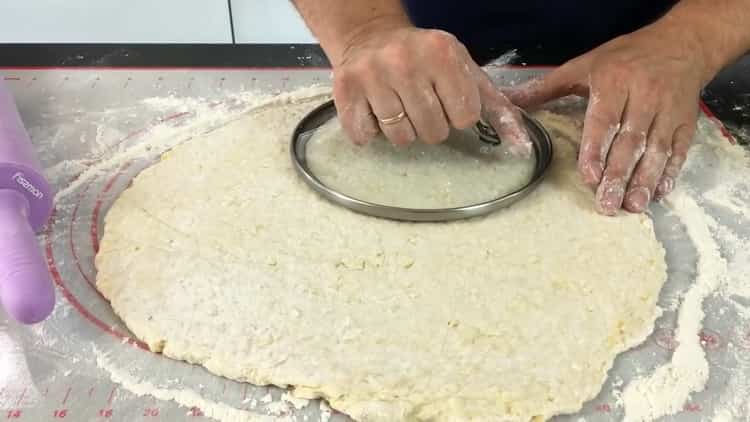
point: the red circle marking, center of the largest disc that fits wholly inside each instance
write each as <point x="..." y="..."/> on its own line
<point x="94" y="235"/>
<point x="52" y="263"/>
<point x="73" y="217"/>
<point x="94" y="229"/>
<point x="665" y="339"/>
<point x="72" y="299"/>
<point x="710" y="340"/>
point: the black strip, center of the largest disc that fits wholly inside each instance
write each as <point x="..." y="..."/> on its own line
<point x="728" y="95"/>
<point x="161" y="55"/>
<point x="231" y="20"/>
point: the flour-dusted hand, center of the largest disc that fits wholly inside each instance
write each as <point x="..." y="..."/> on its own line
<point x="643" y="91"/>
<point x="405" y="82"/>
<point x="411" y="83"/>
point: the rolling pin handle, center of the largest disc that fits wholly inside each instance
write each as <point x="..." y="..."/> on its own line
<point x="26" y="290"/>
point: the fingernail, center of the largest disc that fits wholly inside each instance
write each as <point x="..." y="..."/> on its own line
<point x="609" y="196"/>
<point x="637" y="199"/>
<point x="665" y="187"/>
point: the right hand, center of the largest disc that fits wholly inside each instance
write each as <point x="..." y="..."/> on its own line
<point x="426" y="74"/>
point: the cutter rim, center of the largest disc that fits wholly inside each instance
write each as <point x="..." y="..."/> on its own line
<point x="542" y="147"/>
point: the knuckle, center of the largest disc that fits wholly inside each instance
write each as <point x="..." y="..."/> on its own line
<point x="659" y="144"/>
<point x="403" y="69"/>
<point x="615" y="171"/>
<point x="343" y="77"/>
<point x="440" y="40"/>
<point x="608" y="74"/>
<point x="355" y="73"/>
<point x="463" y="111"/>
<point x="602" y="117"/>
<point x="395" y="52"/>
<point x="633" y="138"/>
<point x="651" y="84"/>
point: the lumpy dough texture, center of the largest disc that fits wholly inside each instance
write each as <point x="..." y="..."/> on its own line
<point x="459" y="172"/>
<point x="221" y="256"/>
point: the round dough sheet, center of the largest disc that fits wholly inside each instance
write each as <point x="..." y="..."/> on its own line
<point x="459" y="172"/>
<point x="220" y="255"/>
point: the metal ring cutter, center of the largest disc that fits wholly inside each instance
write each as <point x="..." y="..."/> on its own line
<point x="542" y="148"/>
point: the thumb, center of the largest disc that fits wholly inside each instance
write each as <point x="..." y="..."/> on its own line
<point x="568" y="79"/>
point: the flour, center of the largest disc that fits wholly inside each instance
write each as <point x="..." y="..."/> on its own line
<point x="297" y="403"/>
<point x="667" y="390"/>
<point x="15" y="378"/>
<point x="181" y="395"/>
<point x="669" y="387"/>
<point x="162" y="134"/>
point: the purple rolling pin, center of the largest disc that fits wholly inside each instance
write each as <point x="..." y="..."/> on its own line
<point x="26" y="289"/>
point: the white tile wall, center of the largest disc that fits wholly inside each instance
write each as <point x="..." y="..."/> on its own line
<point x="269" y="21"/>
<point x="115" y="21"/>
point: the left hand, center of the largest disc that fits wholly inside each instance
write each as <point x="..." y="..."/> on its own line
<point x="644" y="90"/>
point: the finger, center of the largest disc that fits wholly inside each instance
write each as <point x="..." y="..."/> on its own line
<point x="567" y="79"/>
<point x="459" y="95"/>
<point x="354" y="112"/>
<point x="499" y="111"/>
<point x="504" y="117"/>
<point x="600" y="127"/>
<point x="627" y="149"/>
<point x="425" y="112"/>
<point x="681" y="141"/>
<point x="651" y="166"/>
<point x="386" y="104"/>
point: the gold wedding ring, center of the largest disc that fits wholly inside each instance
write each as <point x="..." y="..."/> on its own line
<point x="393" y="120"/>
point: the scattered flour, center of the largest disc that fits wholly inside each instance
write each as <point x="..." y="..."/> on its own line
<point x="669" y="387"/>
<point x="723" y="263"/>
<point x="181" y="395"/>
<point x="266" y="399"/>
<point x="159" y="136"/>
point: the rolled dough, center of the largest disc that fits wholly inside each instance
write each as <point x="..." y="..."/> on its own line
<point x="221" y="256"/>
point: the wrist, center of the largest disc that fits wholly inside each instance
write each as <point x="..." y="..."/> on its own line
<point x="710" y="31"/>
<point x="339" y="48"/>
<point x="689" y="40"/>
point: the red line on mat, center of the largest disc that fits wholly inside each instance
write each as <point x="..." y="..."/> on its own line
<point x="94" y="229"/>
<point x="67" y="394"/>
<point x="72" y="299"/>
<point x="111" y="396"/>
<point x="20" y="398"/>
<point x="717" y="122"/>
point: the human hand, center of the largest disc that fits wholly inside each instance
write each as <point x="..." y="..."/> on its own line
<point x="413" y="83"/>
<point x="643" y="91"/>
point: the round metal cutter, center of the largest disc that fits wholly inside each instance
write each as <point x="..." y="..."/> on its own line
<point x="542" y="151"/>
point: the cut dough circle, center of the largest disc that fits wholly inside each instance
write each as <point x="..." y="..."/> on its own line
<point x="417" y="175"/>
<point x="221" y="256"/>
